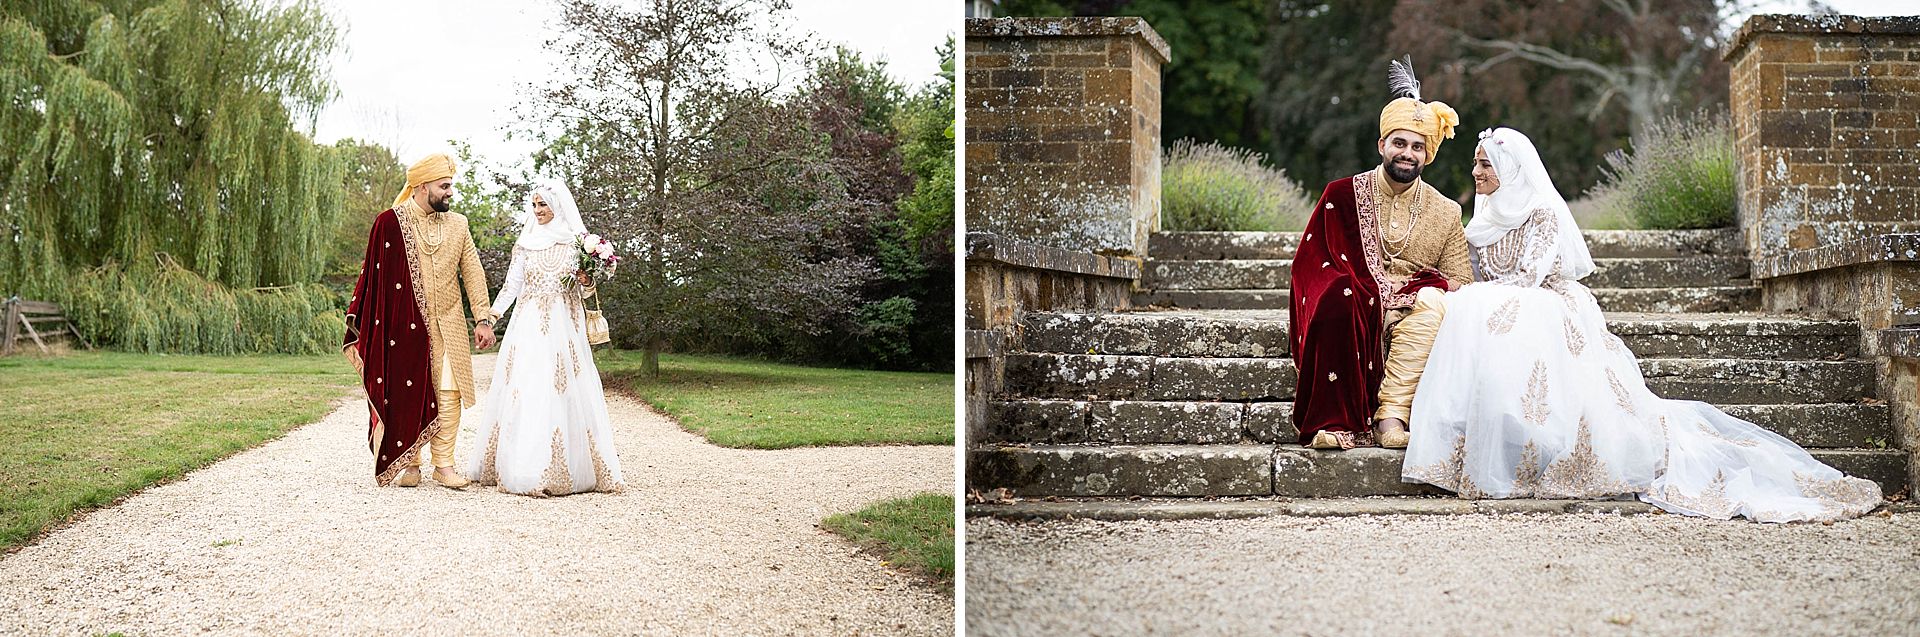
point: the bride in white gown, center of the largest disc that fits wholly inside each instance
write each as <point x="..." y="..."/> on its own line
<point x="544" y="420"/>
<point x="1526" y="394"/>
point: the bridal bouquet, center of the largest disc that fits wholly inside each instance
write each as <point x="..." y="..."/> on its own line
<point x="597" y="259"/>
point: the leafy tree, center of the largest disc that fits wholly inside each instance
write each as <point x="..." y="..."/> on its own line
<point x="898" y="170"/>
<point x="371" y="176"/>
<point x="721" y="197"/>
<point x="142" y="127"/>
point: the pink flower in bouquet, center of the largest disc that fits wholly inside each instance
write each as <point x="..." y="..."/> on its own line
<point x="597" y="259"/>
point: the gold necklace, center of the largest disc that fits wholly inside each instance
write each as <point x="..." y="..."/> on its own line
<point x="1406" y="236"/>
<point x="432" y="232"/>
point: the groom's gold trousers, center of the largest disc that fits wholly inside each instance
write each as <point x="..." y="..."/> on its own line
<point x="441" y="446"/>
<point x="1408" y="343"/>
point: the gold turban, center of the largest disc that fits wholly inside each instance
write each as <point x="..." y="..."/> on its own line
<point x="1432" y="120"/>
<point x="429" y="169"/>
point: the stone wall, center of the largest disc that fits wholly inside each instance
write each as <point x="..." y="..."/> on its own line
<point x="1826" y="119"/>
<point x="1063" y="131"/>
<point x="1008" y="277"/>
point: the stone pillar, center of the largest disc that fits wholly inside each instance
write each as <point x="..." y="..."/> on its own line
<point x="1825" y="130"/>
<point x="1063" y="131"/>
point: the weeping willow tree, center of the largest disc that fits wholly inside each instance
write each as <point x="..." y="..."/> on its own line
<point x="163" y="139"/>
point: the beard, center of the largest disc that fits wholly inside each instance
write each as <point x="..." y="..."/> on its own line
<point x="438" y="205"/>
<point x="1402" y="174"/>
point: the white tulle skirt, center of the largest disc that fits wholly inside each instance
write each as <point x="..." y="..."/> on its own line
<point x="544" y="426"/>
<point x="1527" y="395"/>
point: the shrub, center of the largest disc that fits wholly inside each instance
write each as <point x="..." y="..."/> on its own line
<point x="1679" y="176"/>
<point x="1212" y="187"/>
<point x="162" y="307"/>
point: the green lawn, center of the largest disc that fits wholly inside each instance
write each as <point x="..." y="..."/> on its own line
<point x="80" y="431"/>
<point x="914" y="533"/>
<point x="761" y="405"/>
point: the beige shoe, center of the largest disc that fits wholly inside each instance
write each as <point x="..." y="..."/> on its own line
<point x="408" y="478"/>
<point x="1325" y="440"/>
<point x="450" y="479"/>
<point x="1392" y="436"/>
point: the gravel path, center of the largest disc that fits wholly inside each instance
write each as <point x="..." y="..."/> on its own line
<point x="281" y="539"/>
<point x="1566" y="574"/>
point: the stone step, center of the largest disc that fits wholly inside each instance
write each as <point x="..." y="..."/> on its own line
<point x="1274" y="274"/>
<point x="1603" y="244"/>
<point x="1042" y="421"/>
<point x="1114" y="377"/>
<point x="1733" y="298"/>
<point x="1258" y="470"/>
<point x="1635" y="273"/>
<point x="1163" y="509"/>
<point x="1264" y="334"/>
<point x="1195" y="246"/>
<point x="1684" y="272"/>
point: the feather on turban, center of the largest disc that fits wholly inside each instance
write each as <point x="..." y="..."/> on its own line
<point x="1431" y="120"/>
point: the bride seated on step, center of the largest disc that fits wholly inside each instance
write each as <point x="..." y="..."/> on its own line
<point x="1527" y="395"/>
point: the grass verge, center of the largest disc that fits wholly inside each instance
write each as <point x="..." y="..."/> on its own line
<point x="913" y="533"/>
<point x="81" y="431"/>
<point x="760" y="405"/>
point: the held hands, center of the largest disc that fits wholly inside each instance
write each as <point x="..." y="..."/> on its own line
<point x="483" y="336"/>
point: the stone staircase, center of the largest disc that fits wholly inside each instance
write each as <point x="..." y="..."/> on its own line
<point x="1189" y="395"/>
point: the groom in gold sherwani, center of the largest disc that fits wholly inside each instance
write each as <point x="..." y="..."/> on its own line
<point x="440" y="251"/>
<point x="1378" y="252"/>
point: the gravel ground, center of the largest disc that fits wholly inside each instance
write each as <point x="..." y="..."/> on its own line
<point x="1557" y="574"/>
<point x="287" y="538"/>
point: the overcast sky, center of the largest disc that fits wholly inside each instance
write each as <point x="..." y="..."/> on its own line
<point x="482" y="54"/>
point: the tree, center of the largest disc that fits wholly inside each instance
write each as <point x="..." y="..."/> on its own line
<point x="1324" y="71"/>
<point x="894" y="154"/>
<point x="136" y="128"/>
<point x="1579" y="93"/>
<point x="370" y="177"/>
<point x="925" y="129"/>
<point x="1649" y="59"/>
<point x="721" y="196"/>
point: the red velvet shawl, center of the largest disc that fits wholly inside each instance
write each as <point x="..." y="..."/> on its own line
<point x="384" y="321"/>
<point x="1337" y="311"/>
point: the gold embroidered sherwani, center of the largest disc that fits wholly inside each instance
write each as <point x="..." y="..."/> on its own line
<point x="1432" y="239"/>
<point x="449" y="263"/>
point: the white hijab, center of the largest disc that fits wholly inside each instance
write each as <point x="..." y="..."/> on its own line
<point x="1524" y="188"/>
<point x="565" y="226"/>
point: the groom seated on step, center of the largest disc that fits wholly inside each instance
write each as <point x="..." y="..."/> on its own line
<point x="1373" y="260"/>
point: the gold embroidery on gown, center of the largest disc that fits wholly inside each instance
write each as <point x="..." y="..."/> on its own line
<point x="1503" y="319"/>
<point x="557" y="480"/>
<point x="1533" y="405"/>
<point x="1581" y="473"/>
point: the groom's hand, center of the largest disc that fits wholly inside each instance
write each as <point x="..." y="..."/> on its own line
<point x="483" y="336"/>
<point x="353" y="358"/>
